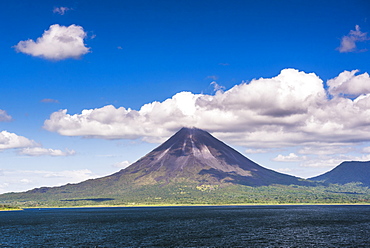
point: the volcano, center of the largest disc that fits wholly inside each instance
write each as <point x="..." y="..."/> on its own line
<point x="179" y="170"/>
<point x="194" y="155"/>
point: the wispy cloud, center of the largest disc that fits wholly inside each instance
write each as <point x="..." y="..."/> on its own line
<point x="56" y="43"/>
<point x="324" y="149"/>
<point x="217" y="87"/>
<point x="48" y="100"/>
<point x="61" y="10"/>
<point x="4" y="117"/>
<point x="255" y="151"/>
<point x="213" y="77"/>
<point x="348" y="42"/>
<point x="40" y="151"/>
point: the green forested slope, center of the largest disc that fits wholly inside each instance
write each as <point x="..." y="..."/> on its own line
<point x="195" y="194"/>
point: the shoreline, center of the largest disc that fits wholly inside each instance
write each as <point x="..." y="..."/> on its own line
<point x="11" y="209"/>
<point x="191" y="205"/>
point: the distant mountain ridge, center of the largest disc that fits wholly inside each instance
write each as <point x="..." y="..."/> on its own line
<point x="347" y="172"/>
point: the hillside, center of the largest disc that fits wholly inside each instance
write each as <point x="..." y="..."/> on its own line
<point x="347" y="172"/>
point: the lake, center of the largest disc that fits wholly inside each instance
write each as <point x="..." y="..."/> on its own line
<point x="216" y="226"/>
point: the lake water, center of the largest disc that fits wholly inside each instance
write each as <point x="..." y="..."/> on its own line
<point x="231" y="226"/>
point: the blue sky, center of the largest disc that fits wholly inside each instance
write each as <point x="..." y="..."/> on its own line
<point x="91" y="86"/>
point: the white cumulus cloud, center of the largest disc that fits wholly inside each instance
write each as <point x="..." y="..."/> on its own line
<point x="11" y="140"/>
<point x="109" y="122"/>
<point x="292" y="157"/>
<point x="348" y="83"/>
<point x="25" y="146"/>
<point x="348" y="42"/>
<point x="40" y="151"/>
<point x="56" y="43"/>
<point x="4" y="116"/>
<point x="290" y="109"/>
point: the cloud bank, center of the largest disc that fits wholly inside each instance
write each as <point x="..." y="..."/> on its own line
<point x="56" y="43"/>
<point x="290" y="109"/>
<point x="348" y="42"/>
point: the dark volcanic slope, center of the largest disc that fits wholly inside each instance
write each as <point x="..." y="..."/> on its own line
<point x="194" y="155"/>
<point x="347" y="172"/>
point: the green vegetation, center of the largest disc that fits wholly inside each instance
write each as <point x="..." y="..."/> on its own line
<point x="192" y="194"/>
<point x="5" y="207"/>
